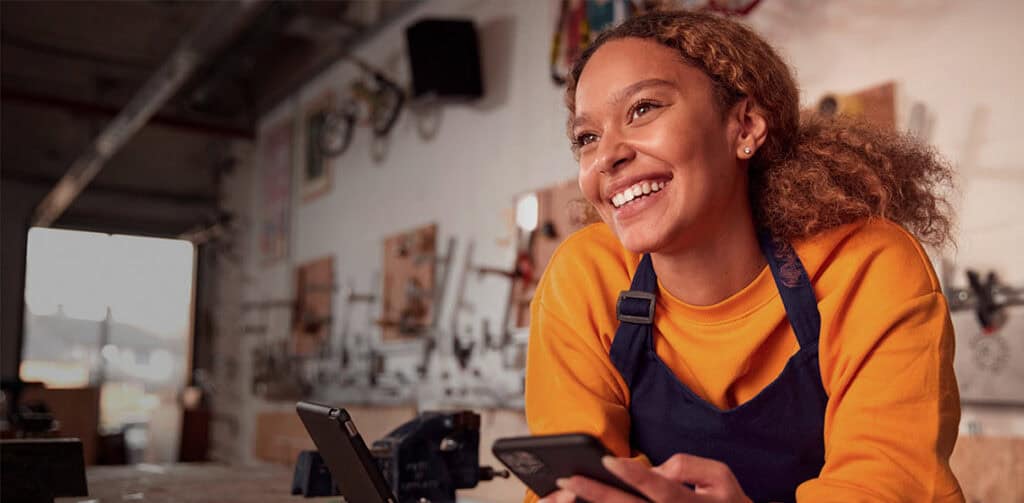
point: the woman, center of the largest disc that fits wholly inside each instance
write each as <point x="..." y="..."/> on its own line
<point x="784" y="336"/>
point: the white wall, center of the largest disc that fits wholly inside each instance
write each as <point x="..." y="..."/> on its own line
<point x="960" y="59"/>
<point x="465" y="179"/>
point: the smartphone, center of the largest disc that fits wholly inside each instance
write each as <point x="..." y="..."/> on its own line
<point x="541" y="459"/>
<point x="351" y="465"/>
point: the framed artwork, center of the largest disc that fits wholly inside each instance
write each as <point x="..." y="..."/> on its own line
<point x="315" y="170"/>
<point x="275" y="217"/>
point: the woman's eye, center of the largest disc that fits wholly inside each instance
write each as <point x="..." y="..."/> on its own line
<point x="585" y="139"/>
<point x="640" y="109"/>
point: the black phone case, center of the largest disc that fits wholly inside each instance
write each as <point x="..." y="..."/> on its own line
<point x="348" y="459"/>
<point x="541" y="459"/>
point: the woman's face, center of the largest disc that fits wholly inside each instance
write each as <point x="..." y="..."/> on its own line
<point x="658" y="160"/>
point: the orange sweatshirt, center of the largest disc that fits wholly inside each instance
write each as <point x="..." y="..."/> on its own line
<point x="886" y="356"/>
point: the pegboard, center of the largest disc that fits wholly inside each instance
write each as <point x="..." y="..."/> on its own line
<point x="407" y="307"/>
<point x="561" y="210"/>
<point x="314" y="290"/>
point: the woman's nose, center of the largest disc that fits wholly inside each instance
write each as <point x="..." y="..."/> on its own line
<point x="613" y="153"/>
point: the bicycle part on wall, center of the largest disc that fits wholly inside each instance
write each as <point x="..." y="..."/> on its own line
<point x="988" y="298"/>
<point x="338" y="126"/>
<point x="312" y="320"/>
<point x="350" y="297"/>
<point x="316" y="172"/>
<point x="276" y="375"/>
<point x="427" y="117"/>
<point x="408" y="302"/>
<point x="989" y="360"/>
<point x="876" y="105"/>
<point x="561" y="210"/>
<point x="382" y="97"/>
<point x="579" y="23"/>
<point x="989" y="365"/>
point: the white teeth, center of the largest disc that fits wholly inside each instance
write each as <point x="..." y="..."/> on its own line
<point x="635" y="192"/>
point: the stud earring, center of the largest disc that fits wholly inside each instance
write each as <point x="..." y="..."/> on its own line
<point x="746" y="150"/>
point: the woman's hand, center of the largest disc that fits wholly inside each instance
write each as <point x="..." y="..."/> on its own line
<point x="713" y="482"/>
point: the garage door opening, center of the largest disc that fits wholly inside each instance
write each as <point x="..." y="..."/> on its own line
<point x="113" y="313"/>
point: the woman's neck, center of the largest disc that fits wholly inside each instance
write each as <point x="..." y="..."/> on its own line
<point x="711" y="270"/>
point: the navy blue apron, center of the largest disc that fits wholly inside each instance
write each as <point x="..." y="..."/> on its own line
<point x="773" y="442"/>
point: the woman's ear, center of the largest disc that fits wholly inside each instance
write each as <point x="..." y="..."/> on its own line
<point x="752" y="128"/>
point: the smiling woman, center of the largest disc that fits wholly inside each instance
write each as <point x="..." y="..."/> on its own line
<point x="800" y="346"/>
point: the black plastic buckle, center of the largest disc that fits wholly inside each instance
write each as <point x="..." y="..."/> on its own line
<point x="639" y="295"/>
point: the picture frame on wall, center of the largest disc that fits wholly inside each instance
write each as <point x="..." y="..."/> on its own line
<point x="314" y="168"/>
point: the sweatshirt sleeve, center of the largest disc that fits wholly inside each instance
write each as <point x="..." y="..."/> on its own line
<point x="894" y="409"/>
<point x="571" y="384"/>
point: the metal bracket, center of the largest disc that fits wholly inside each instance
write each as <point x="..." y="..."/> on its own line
<point x="634" y="294"/>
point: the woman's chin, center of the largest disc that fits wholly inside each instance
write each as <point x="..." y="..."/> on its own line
<point x="638" y="241"/>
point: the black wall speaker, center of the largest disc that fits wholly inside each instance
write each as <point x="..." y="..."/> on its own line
<point x="445" y="59"/>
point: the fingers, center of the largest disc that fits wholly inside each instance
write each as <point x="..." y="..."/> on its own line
<point x="695" y="470"/>
<point x="649" y="482"/>
<point x="591" y="490"/>
<point x="559" y="497"/>
<point x="709" y="477"/>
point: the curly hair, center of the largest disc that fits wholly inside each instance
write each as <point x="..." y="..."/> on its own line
<point x="811" y="174"/>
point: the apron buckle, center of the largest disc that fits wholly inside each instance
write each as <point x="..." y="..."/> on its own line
<point x="630" y="301"/>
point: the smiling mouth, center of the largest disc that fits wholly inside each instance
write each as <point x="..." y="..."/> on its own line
<point x="636" y="192"/>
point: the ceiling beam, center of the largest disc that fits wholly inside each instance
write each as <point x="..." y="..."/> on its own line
<point x="77" y="107"/>
<point x="221" y="24"/>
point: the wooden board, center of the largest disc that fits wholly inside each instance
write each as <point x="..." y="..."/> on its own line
<point x="407" y="304"/>
<point x="560" y="212"/>
<point x="875" y="104"/>
<point x="314" y="289"/>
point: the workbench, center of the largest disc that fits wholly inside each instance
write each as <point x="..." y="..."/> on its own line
<point x="190" y="483"/>
<point x="195" y="483"/>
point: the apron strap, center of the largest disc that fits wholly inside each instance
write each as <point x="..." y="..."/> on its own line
<point x="635" y="311"/>
<point x="796" y="291"/>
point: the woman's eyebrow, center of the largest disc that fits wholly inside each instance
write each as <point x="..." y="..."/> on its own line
<point x="636" y="87"/>
<point x="622" y="95"/>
